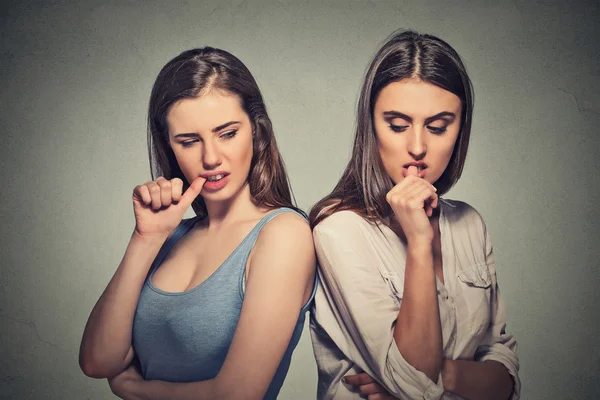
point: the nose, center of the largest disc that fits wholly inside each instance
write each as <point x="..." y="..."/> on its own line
<point x="416" y="145"/>
<point x="211" y="155"/>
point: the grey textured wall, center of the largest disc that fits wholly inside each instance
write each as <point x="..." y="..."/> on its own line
<point x="75" y="80"/>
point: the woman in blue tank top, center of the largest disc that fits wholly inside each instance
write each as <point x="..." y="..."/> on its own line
<point x="209" y="307"/>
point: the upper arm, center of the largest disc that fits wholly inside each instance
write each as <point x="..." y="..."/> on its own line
<point x="497" y="344"/>
<point x="281" y="271"/>
<point x="358" y="296"/>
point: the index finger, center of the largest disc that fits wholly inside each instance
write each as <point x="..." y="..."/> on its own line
<point x="360" y="379"/>
<point x="192" y="192"/>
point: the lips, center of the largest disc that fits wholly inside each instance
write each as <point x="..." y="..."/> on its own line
<point x="215" y="181"/>
<point x="215" y="175"/>
<point x="421" y="167"/>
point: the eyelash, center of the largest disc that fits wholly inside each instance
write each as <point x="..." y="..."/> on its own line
<point x="229" y="135"/>
<point x="436" y="131"/>
<point x="432" y="129"/>
<point x="189" y="143"/>
<point x="226" y="136"/>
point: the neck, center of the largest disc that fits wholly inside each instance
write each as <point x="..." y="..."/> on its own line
<point x="240" y="204"/>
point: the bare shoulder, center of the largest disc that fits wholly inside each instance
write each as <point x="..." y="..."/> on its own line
<point x="286" y="226"/>
<point x="287" y="235"/>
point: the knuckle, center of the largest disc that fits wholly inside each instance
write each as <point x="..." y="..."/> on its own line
<point x="176" y="181"/>
<point x="165" y="185"/>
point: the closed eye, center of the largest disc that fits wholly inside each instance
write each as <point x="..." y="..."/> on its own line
<point x="189" y="143"/>
<point x="437" y="130"/>
<point x="398" y="128"/>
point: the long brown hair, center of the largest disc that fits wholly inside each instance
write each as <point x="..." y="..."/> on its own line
<point x="192" y="74"/>
<point x="364" y="183"/>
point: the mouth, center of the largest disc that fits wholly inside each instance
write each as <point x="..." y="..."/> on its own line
<point x="421" y="167"/>
<point x="215" y="178"/>
<point x="215" y="182"/>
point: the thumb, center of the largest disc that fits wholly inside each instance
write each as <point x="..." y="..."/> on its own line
<point x="412" y="170"/>
<point x="192" y="192"/>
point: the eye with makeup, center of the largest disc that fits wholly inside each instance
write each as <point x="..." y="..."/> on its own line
<point x="436" y="130"/>
<point x="228" y="134"/>
<point x="398" y="128"/>
<point x="189" y="143"/>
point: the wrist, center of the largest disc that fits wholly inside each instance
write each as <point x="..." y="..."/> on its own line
<point x="419" y="244"/>
<point x="449" y="375"/>
<point x="154" y="239"/>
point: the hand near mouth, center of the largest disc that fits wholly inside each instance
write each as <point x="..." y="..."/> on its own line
<point x="160" y="205"/>
<point x="413" y="201"/>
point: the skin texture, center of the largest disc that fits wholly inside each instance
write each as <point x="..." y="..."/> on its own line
<point x="280" y="269"/>
<point x="228" y="149"/>
<point x="401" y="141"/>
<point x="417" y="122"/>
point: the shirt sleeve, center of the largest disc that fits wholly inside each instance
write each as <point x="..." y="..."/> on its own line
<point x="364" y="309"/>
<point x="497" y="345"/>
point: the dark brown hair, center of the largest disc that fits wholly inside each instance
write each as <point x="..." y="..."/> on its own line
<point x="194" y="73"/>
<point x="404" y="55"/>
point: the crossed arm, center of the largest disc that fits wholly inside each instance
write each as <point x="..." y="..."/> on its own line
<point x="280" y="279"/>
<point x="377" y="341"/>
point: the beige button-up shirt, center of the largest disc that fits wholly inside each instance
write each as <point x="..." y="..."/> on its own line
<point x="361" y="276"/>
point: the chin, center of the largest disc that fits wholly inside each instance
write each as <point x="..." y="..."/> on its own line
<point x="225" y="194"/>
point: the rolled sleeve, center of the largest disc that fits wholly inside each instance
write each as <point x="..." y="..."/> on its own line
<point x="362" y="308"/>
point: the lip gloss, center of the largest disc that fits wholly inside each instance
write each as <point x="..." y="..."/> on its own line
<point x="213" y="186"/>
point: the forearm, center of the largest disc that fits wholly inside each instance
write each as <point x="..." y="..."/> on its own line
<point x="476" y="380"/>
<point x="418" y="331"/>
<point x="160" y="390"/>
<point x="106" y="341"/>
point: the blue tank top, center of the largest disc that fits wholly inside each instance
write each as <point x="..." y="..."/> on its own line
<point x="185" y="336"/>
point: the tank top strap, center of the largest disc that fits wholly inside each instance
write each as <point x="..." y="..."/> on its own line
<point x="253" y="235"/>
<point x="250" y="240"/>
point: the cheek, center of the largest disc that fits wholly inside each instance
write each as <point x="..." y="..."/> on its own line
<point x="185" y="165"/>
<point x="390" y="148"/>
<point x="448" y="147"/>
<point x="242" y="153"/>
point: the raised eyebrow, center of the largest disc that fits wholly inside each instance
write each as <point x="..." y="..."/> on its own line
<point x="443" y="115"/>
<point x="223" y="126"/>
<point x="214" y="130"/>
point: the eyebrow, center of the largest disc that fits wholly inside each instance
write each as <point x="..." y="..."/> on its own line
<point x="397" y="114"/>
<point x="214" y="130"/>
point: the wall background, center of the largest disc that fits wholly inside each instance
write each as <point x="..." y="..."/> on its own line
<point x="75" y="81"/>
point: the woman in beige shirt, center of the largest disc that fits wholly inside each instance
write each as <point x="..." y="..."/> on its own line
<point x="408" y="304"/>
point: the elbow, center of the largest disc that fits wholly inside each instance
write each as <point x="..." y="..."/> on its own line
<point x="91" y="370"/>
<point x="94" y="368"/>
<point x="506" y="385"/>
<point x="427" y="362"/>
